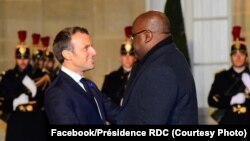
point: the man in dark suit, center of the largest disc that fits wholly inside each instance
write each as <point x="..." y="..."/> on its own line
<point x="161" y="89"/>
<point x="71" y="98"/>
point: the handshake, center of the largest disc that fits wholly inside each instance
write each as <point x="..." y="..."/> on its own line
<point x="240" y="98"/>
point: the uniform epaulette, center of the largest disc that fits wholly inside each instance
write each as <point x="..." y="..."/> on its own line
<point x="1" y="76"/>
<point x="2" y="73"/>
<point x="220" y="71"/>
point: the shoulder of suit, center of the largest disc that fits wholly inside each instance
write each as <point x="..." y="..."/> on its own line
<point x="2" y="73"/>
<point x="10" y="71"/>
<point x="111" y="74"/>
<point x="114" y="73"/>
<point x="221" y="72"/>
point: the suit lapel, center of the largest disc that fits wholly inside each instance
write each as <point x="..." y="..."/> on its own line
<point x="83" y="93"/>
<point x="76" y="87"/>
<point x="131" y="85"/>
<point x="95" y="91"/>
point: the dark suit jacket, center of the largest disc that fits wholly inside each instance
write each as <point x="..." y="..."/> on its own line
<point x="227" y="84"/>
<point x="162" y="89"/>
<point x="67" y="103"/>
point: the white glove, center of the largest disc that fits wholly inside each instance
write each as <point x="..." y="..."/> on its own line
<point x="239" y="98"/>
<point x="30" y="84"/>
<point x="245" y="77"/>
<point x="22" y="99"/>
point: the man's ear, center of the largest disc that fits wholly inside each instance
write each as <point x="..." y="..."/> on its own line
<point x="67" y="55"/>
<point x="148" y="36"/>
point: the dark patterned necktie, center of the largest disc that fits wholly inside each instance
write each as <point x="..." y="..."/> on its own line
<point x="86" y="85"/>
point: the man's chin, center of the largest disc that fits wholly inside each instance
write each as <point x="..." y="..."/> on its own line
<point x="22" y="67"/>
<point x="240" y="66"/>
<point x="90" y="68"/>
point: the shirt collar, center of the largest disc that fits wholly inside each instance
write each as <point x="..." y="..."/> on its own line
<point x="161" y="44"/>
<point x="72" y="74"/>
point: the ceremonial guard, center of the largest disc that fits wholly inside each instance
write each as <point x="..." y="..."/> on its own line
<point x="115" y="82"/>
<point x="229" y="93"/>
<point x="23" y="98"/>
<point x="49" y="59"/>
<point x="37" y="52"/>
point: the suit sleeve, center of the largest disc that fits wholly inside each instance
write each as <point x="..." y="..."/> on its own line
<point x="10" y="92"/>
<point x="59" y="108"/>
<point x="7" y="93"/>
<point x="110" y="107"/>
<point x="216" y="97"/>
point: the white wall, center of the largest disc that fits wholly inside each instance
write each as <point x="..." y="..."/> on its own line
<point x="158" y="5"/>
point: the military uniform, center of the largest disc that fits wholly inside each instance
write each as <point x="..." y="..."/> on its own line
<point x="115" y="83"/>
<point x="229" y="94"/>
<point x="49" y="60"/>
<point x="37" y="52"/>
<point x="50" y="70"/>
<point x="1" y="96"/>
<point x="227" y="84"/>
<point x="26" y="120"/>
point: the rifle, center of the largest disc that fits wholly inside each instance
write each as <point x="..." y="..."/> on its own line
<point x="236" y="87"/>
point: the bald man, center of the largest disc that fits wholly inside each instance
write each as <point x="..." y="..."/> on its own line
<point x="161" y="88"/>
